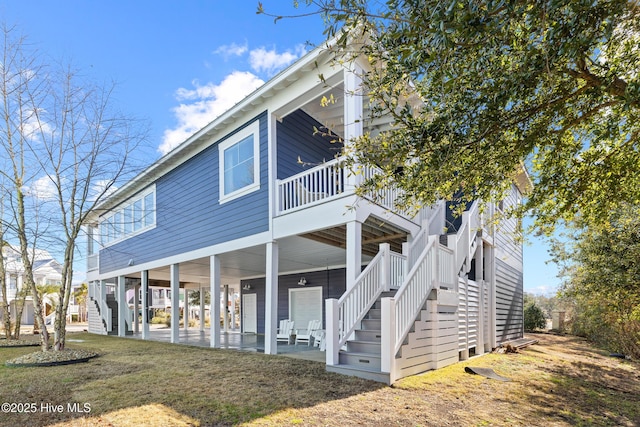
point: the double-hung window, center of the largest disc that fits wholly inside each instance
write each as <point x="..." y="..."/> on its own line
<point x="240" y="163"/>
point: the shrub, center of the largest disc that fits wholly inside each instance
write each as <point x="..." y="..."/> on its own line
<point x="534" y="317"/>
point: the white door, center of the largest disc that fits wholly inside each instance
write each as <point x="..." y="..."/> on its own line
<point x="304" y="305"/>
<point x="250" y="313"/>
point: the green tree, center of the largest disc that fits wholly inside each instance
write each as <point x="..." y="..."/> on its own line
<point x="601" y="269"/>
<point x="194" y="297"/>
<point x="80" y="296"/>
<point x="478" y="88"/>
<point x="534" y="317"/>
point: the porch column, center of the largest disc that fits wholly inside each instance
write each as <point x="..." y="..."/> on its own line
<point x="353" y="110"/>
<point x="144" y="279"/>
<point x="233" y="310"/>
<point x="491" y="278"/>
<point x="202" y="289"/>
<point x="271" y="300"/>
<point x="122" y="307"/>
<point x="354" y="252"/>
<point x="175" y="303"/>
<point x="225" y="308"/>
<point x="214" y="312"/>
<point x="136" y="308"/>
<point x="481" y="309"/>
<point x="104" y="310"/>
<point x="185" y="316"/>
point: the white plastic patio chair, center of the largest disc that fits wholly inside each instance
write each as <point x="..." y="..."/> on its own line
<point x="285" y="331"/>
<point x="313" y="326"/>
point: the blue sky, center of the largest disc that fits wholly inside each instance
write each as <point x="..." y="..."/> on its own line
<point x="178" y="64"/>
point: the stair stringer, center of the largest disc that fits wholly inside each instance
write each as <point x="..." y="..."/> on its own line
<point x="433" y="341"/>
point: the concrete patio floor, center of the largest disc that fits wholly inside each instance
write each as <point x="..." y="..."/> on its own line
<point x="233" y="340"/>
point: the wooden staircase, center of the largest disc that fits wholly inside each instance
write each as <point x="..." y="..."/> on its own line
<point x="421" y="326"/>
<point x="97" y="324"/>
<point x="361" y="355"/>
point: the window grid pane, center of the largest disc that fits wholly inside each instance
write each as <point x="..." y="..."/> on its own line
<point x="239" y="166"/>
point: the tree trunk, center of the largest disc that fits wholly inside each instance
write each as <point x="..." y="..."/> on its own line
<point x="64" y="296"/>
<point x="28" y="271"/>
<point x="6" y="315"/>
<point x="20" y="302"/>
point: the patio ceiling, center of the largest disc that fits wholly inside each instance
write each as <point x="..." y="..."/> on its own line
<point x="295" y="254"/>
<point x="331" y="113"/>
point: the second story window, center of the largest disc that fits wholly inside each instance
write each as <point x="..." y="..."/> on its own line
<point x="13" y="282"/>
<point x="135" y="216"/>
<point x="240" y="163"/>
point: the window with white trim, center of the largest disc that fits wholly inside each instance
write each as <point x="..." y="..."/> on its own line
<point x="240" y="163"/>
<point x="133" y="217"/>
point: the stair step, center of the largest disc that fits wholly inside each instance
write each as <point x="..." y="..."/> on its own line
<point x="368" y="347"/>
<point x="360" y="372"/>
<point x="374" y="313"/>
<point x="366" y="360"/>
<point x="378" y="304"/>
<point x="368" y="335"/>
<point x="371" y="324"/>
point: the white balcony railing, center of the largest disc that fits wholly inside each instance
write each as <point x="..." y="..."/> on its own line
<point x="328" y="181"/>
<point x="316" y="185"/>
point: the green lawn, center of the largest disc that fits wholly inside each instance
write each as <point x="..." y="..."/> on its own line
<point x="561" y="381"/>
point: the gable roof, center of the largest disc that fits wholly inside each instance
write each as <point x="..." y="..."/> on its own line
<point x="216" y="129"/>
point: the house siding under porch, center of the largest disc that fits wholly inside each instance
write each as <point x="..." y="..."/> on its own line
<point x="333" y="284"/>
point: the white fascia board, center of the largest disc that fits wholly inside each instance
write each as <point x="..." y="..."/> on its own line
<point x="318" y="217"/>
<point x="234" y="245"/>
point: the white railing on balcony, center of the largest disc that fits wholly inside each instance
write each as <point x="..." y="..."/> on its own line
<point x="387" y="197"/>
<point x="313" y="186"/>
<point x="328" y="181"/>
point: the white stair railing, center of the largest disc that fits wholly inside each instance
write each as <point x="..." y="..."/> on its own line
<point x="463" y="241"/>
<point x="344" y="315"/>
<point x="423" y="277"/>
<point x="427" y="217"/>
<point x="433" y="269"/>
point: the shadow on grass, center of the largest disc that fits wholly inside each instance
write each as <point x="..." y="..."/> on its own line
<point x="134" y="381"/>
<point x="579" y="385"/>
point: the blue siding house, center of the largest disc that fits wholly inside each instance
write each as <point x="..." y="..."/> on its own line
<point x="261" y="206"/>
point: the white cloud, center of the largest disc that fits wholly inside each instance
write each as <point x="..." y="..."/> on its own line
<point x="270" y="61"/>
<point x="101" y="188"/>
<point x="201" y="104"/>
<point x="232" y="49"/>
<point x="206" y="103"/>
<point x="41" y="189"/>
<point x="33" y="129"/>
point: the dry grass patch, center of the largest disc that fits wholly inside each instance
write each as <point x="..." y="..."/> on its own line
<point x="560" y="382"/>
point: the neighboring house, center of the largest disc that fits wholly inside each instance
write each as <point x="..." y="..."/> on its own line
<point x="238" y="204"/>
<point x="46" y="271"/>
